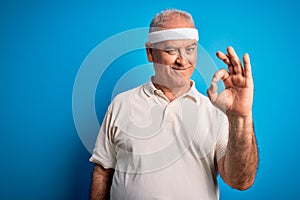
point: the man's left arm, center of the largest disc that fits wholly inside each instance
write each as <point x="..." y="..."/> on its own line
<point x="239" y="165"/>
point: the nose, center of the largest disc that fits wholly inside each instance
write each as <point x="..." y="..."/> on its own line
<point x="181" y="59"/>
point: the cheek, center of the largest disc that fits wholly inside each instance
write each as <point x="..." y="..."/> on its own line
<point x="168" y="60"/>
<point x="190" y="72"/>
<point x="164" y="59"/>
<point x="193" y="60"/>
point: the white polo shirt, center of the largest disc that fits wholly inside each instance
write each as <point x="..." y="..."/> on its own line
<point x="162" y="150"/>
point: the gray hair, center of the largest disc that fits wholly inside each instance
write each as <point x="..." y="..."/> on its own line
<point x="160" y="19"/>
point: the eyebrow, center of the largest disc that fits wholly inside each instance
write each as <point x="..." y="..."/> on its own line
<point x="173" y="47"/>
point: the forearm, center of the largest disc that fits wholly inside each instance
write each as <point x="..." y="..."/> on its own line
<point x="101" y="183"/>
<point x="241" y="160"/>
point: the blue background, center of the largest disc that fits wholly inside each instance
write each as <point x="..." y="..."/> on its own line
<point x="43" y="43"/>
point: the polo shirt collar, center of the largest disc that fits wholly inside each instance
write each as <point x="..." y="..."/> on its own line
<point x="149" y="89"/>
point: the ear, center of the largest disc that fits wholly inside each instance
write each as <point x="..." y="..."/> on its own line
<point x="149" y="52"/>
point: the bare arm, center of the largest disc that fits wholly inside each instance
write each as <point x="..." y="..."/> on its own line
<point x="101" y="183"/>
<point x="238" y="167"/>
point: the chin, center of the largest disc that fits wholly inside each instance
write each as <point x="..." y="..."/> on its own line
<point x="181" y="82"/>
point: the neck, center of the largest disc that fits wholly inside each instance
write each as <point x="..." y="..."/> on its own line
<point x="173" y="93"/>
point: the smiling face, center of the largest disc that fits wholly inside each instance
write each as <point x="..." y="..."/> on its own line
<point x="174" y="60"/>
<point x="179" y="56"/>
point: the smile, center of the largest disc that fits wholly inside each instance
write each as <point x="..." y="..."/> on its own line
<point x="180" y="68"/>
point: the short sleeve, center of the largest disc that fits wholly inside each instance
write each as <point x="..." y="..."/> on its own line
<point x="104" y="152"/>
<point x="222" y="138"/>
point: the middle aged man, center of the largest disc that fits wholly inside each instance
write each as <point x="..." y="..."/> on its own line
<point x="166" y="141"/>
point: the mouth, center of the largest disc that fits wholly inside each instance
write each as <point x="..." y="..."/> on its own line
<point x="179" y="68"/>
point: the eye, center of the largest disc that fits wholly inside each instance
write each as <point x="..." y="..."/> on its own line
<point x="190" y="50"/>
<point x="171" y="51"/>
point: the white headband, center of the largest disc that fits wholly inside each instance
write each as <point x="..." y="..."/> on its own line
<point x="173" y="34"/>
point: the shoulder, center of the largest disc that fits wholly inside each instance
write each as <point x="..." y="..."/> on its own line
<point x="122" y="99"/>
